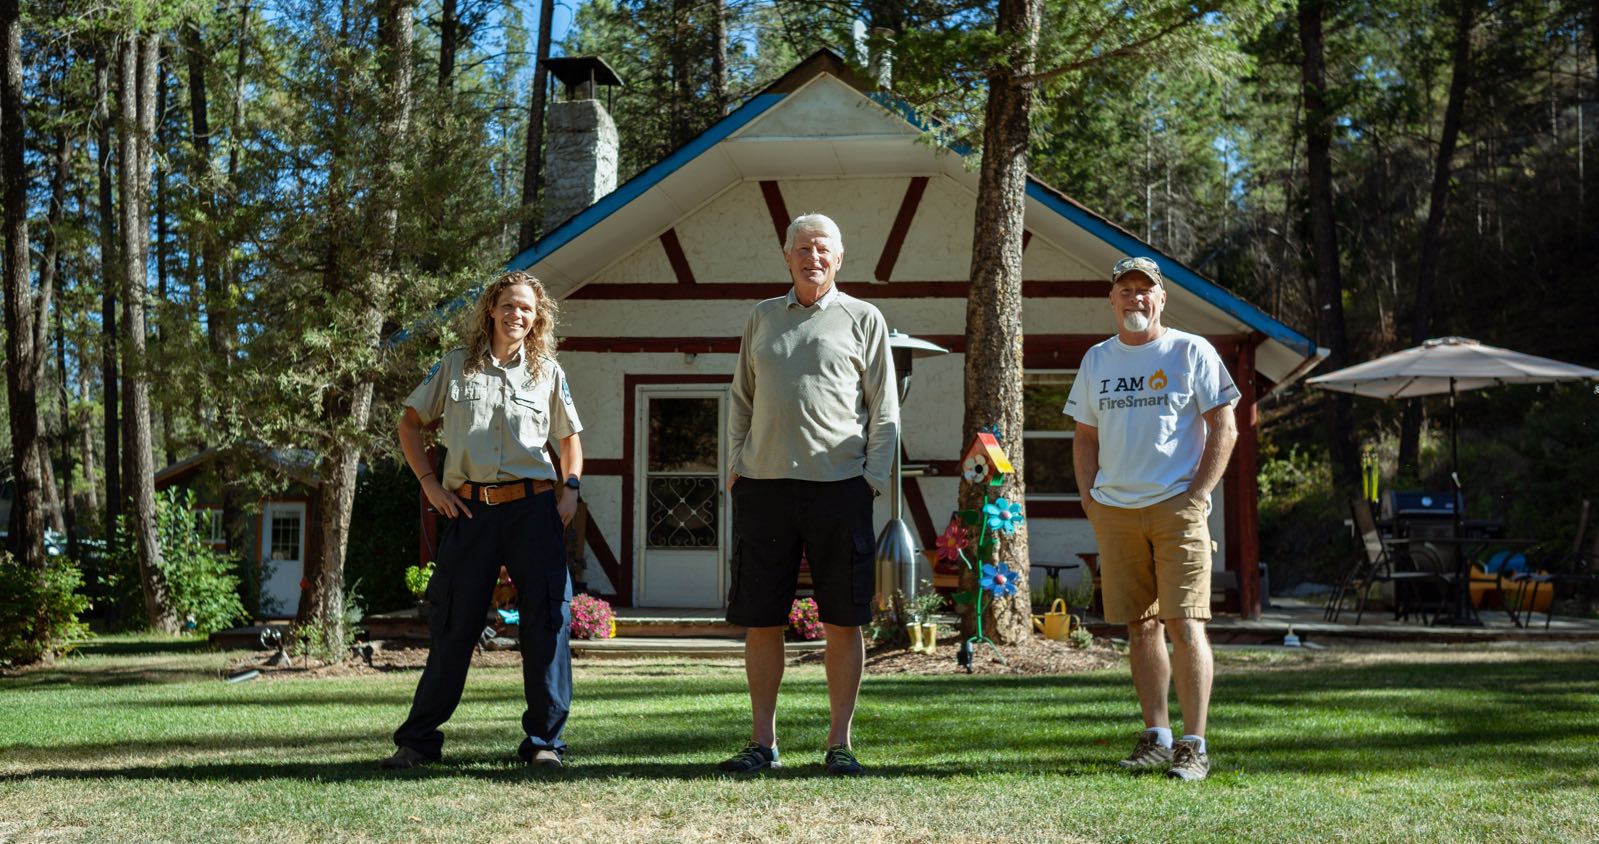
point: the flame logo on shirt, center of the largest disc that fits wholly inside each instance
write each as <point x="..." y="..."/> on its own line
<point x="1158" y="380"/>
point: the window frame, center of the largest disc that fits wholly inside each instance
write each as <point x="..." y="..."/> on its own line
<point x="1049" y="435"/>
<point x="215" y="533"/>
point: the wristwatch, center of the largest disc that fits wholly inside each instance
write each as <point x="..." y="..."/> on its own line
<point x="572" y="482"/>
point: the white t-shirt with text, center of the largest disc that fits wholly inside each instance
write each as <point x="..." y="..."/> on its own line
<point x="1147" y="404"/>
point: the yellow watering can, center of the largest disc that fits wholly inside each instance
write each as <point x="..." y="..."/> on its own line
<point x="1055" y="624"/>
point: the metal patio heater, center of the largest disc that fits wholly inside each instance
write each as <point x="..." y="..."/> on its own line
<point x="896" y="548"/>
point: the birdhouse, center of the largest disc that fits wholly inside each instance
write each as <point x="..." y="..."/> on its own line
<point x="985" y="462"/>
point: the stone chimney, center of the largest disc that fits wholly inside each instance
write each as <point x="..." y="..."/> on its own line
<point x="580" y="153"/>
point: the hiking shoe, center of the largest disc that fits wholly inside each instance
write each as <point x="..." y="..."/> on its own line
<point x="754" y="757"/>
<point x="542" y="757"/>
<point x="405" y="757"/>
<point x="841" y="762"/>
<point x="1148" y="755"/>
<point x="1188" y="762"/>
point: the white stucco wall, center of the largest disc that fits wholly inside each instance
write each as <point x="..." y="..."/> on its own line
<point x="730" y="239"/>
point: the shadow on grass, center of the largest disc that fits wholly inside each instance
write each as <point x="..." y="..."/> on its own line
<point x="1520" y="721"/>
<point x="145" y="647"/>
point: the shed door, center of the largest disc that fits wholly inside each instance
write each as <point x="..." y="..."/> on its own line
<point x="283" y="557"/>
<point x="681" y="506"/>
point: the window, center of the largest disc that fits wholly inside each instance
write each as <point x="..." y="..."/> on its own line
<point x="683" y="504"/>
<point x="284" y="536"/>
<point x="1047" y="440"/>
<point x="208" y="521"/>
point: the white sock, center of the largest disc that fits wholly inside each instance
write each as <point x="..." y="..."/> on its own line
<point x="1162" y="735"/>
<point x="1197" y="741"/>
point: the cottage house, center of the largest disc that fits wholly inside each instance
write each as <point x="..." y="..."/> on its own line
<point x="657" y="277"/>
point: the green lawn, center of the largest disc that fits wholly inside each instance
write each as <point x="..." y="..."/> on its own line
<point x="139" y="740"/>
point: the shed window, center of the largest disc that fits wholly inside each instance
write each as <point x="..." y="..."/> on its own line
<point x="209" y="522"/>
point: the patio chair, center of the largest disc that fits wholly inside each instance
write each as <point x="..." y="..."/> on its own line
<point x="1378" y="563"/>
<point x="1577" y="567"/>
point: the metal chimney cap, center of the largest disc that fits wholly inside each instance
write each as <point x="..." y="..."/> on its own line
<point x="573" y="71"/>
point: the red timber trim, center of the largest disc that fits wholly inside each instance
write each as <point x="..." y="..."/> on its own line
<point x="594" y="538"/>
<point x="1039" y="351"/>
<point x="623" y="579"/>
<point x="697" y="345"/>
<point x="901" y="227"/>
<point x="1063" y="289"/>
<point x="606" y="466"/>
<point x="1055" y="509"/>
<point x="779" y="211"/>
<point x="675" y="257"/>
<point x="915" y="503"/>
<point x="1242" y="519"/>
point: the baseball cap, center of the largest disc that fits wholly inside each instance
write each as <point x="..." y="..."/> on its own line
<point x="1140" y="264"/>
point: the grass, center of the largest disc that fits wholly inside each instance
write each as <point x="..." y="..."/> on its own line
<point x="139" y="740"/>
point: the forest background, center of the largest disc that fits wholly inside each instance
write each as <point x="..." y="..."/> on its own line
<point x="216" y="211"/>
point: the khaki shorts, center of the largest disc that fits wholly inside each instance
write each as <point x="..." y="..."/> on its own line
<point x="1154" y="562"/>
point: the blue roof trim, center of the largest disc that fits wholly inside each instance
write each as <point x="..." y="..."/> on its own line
<point x="1174" y="269"/>
<point x="913" y="117"/>
<point x="610" y="203"/>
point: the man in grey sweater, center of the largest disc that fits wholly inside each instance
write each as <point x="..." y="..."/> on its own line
<point x="812" y="434"/>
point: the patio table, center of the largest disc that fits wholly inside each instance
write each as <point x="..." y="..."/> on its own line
<point x="1462" y="548"/>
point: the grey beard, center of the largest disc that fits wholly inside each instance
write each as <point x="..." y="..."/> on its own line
<point x="1136" y="322"/>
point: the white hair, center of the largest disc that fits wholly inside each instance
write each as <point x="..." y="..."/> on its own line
<point x="814" y="223"/>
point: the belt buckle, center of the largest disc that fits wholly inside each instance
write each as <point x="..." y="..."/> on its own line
<point x="488" y="494"/>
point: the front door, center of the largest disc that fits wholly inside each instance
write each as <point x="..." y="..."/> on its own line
<point x="283" y="557"/>
<point x="681" y="508"/>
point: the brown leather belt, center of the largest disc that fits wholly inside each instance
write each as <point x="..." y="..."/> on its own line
<point x="502" y="493"/>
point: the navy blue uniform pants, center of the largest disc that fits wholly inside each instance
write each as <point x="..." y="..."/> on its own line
<point x="525" y="536"/>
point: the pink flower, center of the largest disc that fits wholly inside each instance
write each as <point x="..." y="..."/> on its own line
<point x="953" y="540"/>
<point x="591" y="617"/>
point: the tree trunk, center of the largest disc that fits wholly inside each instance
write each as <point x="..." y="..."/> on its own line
<point x="22" y="365"/>
<point x="54" y="512"/>
<point x="70" y="516"/>
<point x="993" y="374"/>
<point x="110" y="272"/>
<point x="1432" y="238"/>
<point x="136" y="95"/>
<point x="56" y="506"/>
<point x="533" y="162"/>
<point x="91" y="484"/>
<point x="351" y="405"/>
<point x="447" y="44"/>
<point x="679" y="121"/>
<point x="719" y="56"/>
<point x="162" y="274"/>
<point x="1338" y="407"/>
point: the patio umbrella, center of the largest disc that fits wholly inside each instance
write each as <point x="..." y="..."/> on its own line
<point x="1448" y="365"/>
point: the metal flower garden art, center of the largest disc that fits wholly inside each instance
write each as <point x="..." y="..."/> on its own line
<point x="972" y="535"/>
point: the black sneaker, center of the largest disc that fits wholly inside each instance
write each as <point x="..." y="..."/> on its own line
<point x="754" y="757"/>
<point x="405" y="757"/>
<point x="841" y="762"/>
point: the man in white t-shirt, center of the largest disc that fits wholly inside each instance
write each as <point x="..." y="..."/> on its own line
<point x="1154" y="412"/>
